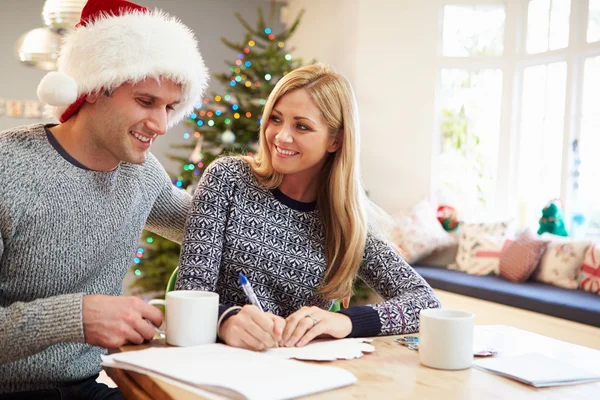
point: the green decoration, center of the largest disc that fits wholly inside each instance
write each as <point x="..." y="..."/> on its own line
<point x="552" y="221"/>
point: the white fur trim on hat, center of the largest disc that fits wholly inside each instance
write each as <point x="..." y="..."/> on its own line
<point x="112" y="50"/>
<point x="57" y="89"/>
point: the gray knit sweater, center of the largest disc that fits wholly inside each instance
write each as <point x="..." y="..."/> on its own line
<point x="66" y="232"/>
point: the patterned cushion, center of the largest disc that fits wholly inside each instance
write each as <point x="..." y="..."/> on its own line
<point x="419" y="233"/>
<point x="590" y="272"/>
<point x="561" y="262"/>
<point x="471" y="239"/>
<point x="522" y="256"/>
<point x="484" y="255"/>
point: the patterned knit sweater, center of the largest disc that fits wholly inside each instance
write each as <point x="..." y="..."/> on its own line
<point x="65" y="232"/>
<point x="236" y="225"/>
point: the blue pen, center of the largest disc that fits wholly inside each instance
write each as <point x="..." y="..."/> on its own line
<point x="249" y="292"/>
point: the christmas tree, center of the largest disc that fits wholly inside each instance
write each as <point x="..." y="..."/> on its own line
<point x="224" y="123"/>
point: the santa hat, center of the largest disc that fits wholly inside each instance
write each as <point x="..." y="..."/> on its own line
<point x="117" y="42"/>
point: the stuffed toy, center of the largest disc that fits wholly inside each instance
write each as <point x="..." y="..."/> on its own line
<point x="552" y="221"/>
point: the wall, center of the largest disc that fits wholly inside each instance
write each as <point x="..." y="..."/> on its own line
<point x="209" y="19"/>
<point x="388" y="51"/>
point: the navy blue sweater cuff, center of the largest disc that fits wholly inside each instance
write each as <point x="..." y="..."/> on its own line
<point x="365" y="321"/>
<point x="222" y="309"/>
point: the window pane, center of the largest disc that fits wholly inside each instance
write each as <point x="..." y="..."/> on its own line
<point x="589" y="188"/>
<point x="556" y="92"/>
<point x="587" y="194"/>
<point x="538" y="20"/>
<point x="591" y="87"/>
<point x="534" y="83"/>
<point x="470" y="114"/>
<point x="593" y="30"/>
<point x="541" y="138"/>
<point x="473" y="30"/>
<point x="559" y="24"/>
<point x="547" y="25"/>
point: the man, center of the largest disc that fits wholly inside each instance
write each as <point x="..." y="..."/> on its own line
<point x="75" y="197"/>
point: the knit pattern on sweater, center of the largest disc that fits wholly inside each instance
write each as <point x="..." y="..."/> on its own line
<point x="237" y="226"/>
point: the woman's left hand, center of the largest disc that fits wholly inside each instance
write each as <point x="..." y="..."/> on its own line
<point x="310" y="322"/>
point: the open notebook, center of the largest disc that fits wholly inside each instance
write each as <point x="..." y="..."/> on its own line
<point x="537" y="370"/>
<point x="218" y="368"/>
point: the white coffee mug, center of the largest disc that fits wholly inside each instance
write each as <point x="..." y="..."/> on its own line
<point x="446" y="338"/>
<point x="191" y="317"/>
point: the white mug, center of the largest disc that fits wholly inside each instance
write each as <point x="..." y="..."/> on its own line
<point x="446" y="338"/>
<point x="191" y="317"/>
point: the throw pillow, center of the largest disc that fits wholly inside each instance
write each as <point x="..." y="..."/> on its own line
<point x="522" y="256"/>
<point x="590" y="272"/>
<point x="441" y="258"/>
<point x="419" y="233"/>
<point x="483" y="256"/>
<point x="469" y="235"/>
<point x="562" y="261"/>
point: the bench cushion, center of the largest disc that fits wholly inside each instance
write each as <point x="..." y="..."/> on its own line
<point x="574" y="305"/>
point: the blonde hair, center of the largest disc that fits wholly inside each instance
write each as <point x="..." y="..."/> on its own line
<point x="341" y="199"/>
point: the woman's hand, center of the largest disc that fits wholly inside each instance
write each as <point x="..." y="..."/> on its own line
<point x="310" y="322"/>
<point x="252" y="329"/>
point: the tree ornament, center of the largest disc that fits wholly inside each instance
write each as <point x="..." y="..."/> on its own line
<point x="448" y="217"/>
<point x="228" y="137"/>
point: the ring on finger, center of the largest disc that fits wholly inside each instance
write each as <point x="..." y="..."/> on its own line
<point x="314" y="320"/>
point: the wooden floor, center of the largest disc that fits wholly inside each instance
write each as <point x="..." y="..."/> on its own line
<point x="488" y="313"/>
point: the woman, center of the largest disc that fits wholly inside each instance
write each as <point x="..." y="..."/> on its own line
<point x="295" y="220"/>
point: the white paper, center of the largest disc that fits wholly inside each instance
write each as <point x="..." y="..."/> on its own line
<point x="326" y="350"/>
<point x="253" y="375"/>
<point x="537" y="370"/>
<point x="107" y="361"/>
<point x="510" y="341"/>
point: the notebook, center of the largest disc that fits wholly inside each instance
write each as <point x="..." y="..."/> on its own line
<point x="537" y="370"/>
<point x="218" y="368"/>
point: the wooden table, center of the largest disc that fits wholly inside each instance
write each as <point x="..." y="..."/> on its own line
<point x="393" y="371"/>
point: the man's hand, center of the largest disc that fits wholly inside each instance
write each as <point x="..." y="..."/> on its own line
<point x="310" y="322"/>
<point x="252" y="329"/>
<point x="111" y="321"/>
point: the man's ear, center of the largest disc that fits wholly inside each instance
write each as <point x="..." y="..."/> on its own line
<point x="337" y="142"/>
<point x="92" y="97"/>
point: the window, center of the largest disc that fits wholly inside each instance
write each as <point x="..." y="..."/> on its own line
<point x="519" y="110"/>
<point x="541" y="136"/>
<point x="469" y="131"/>
<point x="473" y="30"/>
<point x="586" y="184"/>
<point x="593" y="28"/>
<point x="547" y="25"/>
<point x="470" y="102"/>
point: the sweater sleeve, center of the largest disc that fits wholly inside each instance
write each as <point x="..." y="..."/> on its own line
<point x="404" y="291"/>
<point x="171" y="207"/>
<point x="26" y="328"/>
<point x="200" y="258"/>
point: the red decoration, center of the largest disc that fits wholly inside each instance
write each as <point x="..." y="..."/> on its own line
<point x="448" y="217"/>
